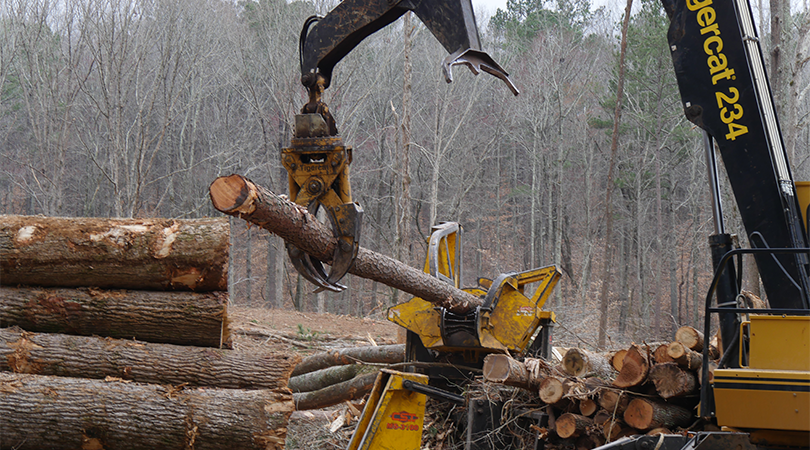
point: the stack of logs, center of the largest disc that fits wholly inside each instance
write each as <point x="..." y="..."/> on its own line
<point x="115" y="335"/>
<point x="594" y="398"/>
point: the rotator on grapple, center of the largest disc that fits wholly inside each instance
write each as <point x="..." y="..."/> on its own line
<point x="317" y="162"/>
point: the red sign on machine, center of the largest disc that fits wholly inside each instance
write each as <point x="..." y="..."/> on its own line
<point x="403" y="417"/>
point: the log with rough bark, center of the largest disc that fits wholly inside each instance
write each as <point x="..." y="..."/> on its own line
<point x="685" y="358"/>
<point x="579" y="363"/>
<point x="323" y="378"/>
<point x="502" y="369"/>
<point x="182" y="318"/>
<point x="615" y="428"/>
<point x="382" y="354"/>
<point x="670" y="380"/>
<point x="601" y="416"/>
<point x="94" y="357"/>
<point x="337" y="393"/>
<point x="646" y="414"/>
<point x="635" y="366"/>
<point x="149" y="254"/>
<point x="690" y="337"/>
<point x="571" y="425"/>
<point x="240" y="197"/>
<point x="39" y="412"/>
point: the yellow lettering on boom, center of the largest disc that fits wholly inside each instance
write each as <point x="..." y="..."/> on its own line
<point x="694" y="6"/>
<point x="713" y="40"/>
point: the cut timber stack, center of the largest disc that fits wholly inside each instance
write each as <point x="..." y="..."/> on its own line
<point x="159" y="285"/>
<point x="593" y="398"/>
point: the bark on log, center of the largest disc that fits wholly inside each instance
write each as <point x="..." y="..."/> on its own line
<point x="615" y="428"/>
<point x="601" y="416"/>
<point x="579" y="363"/>
<point x="240" y="197"/>
<point x="505" y="370"/>
<point x="672" y="381"/>
<point x="635" y="367"/>
<point x="39" y="412"/>
<point x="571" y="425"/>
<point x="690" y="337"/>
<point x="94" y="357"/>
<point x="149" y="254"/>
<point x="337" y="393"/>
<point x="646" y="414"/>
<point x="685" y="358"/>
<point x="383" y="354"/>
<point x="617" y="360"/>
<point x="323" y="378"/>
<point x="182" y="318"/>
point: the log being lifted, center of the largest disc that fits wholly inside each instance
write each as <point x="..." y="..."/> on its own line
<point x="239" y="197"/>
<point x="382" y="354"/>
<point x="182" y="318"/>
<point x="149" y="254"/>
<point x="94" y="357"/>
<point x="39" y="412"/>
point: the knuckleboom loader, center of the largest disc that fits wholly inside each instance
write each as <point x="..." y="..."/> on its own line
<point x="760" y="393"/>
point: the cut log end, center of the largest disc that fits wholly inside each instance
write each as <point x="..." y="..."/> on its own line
<point x="230" y="193"/>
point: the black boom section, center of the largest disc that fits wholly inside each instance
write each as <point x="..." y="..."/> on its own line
<point x="725" y="91"/>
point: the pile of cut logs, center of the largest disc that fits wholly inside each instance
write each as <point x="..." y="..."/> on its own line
<point x="115" y="335"/>
<point x="594" y="398"/>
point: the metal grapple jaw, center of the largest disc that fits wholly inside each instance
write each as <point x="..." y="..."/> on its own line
<point x="317" y="167"/>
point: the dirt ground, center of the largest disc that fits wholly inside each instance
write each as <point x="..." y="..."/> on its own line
<point x="306" y="332"/>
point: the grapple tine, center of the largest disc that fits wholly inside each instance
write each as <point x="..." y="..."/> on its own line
<point x="347" y="220"/>
<point x="312" y="270"/>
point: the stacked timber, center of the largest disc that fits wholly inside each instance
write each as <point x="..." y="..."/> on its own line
<point x="593" y="398"/>
<point x="115" y="335"/>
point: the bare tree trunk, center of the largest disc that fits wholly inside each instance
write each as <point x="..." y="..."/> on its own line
<point x="383" y="354"/>
<point x="608" y="251"/>
<point x="337" y="393"/>
<point x="237" y="196"/>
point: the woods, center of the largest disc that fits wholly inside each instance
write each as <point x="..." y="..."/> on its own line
<point x="130" y="109"/>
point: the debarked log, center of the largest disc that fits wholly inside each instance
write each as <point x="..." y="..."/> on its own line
<point x="94" y="357"/>
<point x="182" y="318"/>
<point x="39" y="412"/>
<point x="149" y="254"/>
<point x="370" y="354"/>
<point x="239" y="197"/>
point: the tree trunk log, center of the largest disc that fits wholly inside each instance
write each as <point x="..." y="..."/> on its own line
<point x="552" y="390"/>
<point x="635" y="366"/>
<point x="660" y="355"/>
<point x="182" y="318"/>
<point x="588" y="407"/>
<point x="39" y="412"/>
<point x="617" y="360"/>
<point x="579" y="363"/>
<point x="685" y="358"/>
<point x="337" y="393"/>
<point x="672" y="381"/>
<point x="645" y="414"/>
<point x="571" y="425"/>
<point x="383" y="354"/>
<point x="93" y="357"/>
<point x="614" y="429"/>
<point x="148" y="254"/>
<point x="690" y="337"/>
<point x="614" y="402"/>
<point x="505" y="370"/>
<point x="323" y="378"/>
<point x="240" y="197"/>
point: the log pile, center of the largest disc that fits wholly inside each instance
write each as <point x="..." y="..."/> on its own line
<point x="593" y="398"/>
<point x="115" y="335"/>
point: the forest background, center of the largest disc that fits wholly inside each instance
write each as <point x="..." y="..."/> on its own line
<point x="131" y="108"/>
